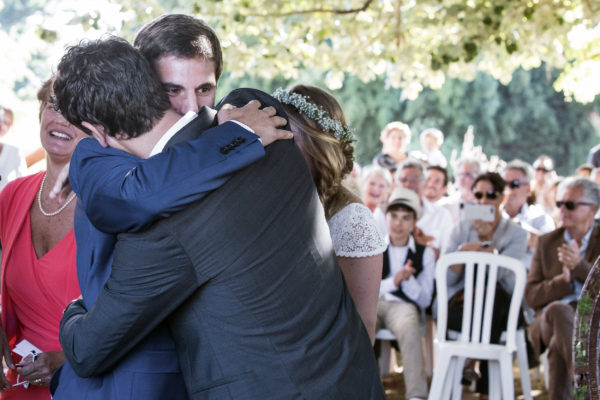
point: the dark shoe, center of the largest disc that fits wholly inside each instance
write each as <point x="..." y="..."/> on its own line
<point x="469" y="376"/>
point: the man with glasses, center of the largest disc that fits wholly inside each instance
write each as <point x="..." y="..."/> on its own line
<point x="559" y="268"/>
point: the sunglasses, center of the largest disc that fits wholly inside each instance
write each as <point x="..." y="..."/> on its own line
<point x="544" y="170"/>
<point x="489" y="195"/>
<point x="515" y="184"/>
<point x="571" y="205"/>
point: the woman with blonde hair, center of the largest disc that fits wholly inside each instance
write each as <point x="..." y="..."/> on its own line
<point x="320" y="130"/>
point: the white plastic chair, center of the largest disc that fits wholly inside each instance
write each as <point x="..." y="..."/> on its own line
<point x="474" y="338"/>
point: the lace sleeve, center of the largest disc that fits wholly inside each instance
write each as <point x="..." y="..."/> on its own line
<point x="354" y="232"/>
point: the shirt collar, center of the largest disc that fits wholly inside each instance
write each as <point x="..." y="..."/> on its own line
<point x="584" y="241"/>
<point x="177" y="126"/>
<point x="411" y="244"/>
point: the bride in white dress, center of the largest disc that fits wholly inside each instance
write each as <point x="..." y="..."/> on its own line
<point x="320" y="130"/>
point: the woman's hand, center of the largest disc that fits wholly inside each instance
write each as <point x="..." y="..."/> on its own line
<point x="6" y="355"/>
<point x="40" y="371"/>
<point x="485" y="230"/>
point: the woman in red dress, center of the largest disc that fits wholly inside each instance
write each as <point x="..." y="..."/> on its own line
<point x="38" y="276"/>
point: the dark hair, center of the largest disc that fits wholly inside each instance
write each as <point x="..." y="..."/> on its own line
<point x="182" y="36"/>
<point x="443" y="170"/>
<point x="492" y="177"/>
<point x="403" y="207"/>
<point x="109" y="83"/>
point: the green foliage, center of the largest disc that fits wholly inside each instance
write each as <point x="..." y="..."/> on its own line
<point x="521" y="120"/>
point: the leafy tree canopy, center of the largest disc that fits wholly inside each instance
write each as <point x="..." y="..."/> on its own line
<point x="412" y="43"/>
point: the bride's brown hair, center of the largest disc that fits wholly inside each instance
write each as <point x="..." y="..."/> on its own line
<point x="329" y="158"/>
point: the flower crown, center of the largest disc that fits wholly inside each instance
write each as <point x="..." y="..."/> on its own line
<point x="341" y="132"/>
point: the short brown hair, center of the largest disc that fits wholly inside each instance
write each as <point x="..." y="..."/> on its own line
<point x="182" y="36"/>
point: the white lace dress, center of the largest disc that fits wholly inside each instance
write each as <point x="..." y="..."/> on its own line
<point x="354" y="232"/>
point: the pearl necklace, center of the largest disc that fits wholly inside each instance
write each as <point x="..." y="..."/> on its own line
<point x="39" y="198"/>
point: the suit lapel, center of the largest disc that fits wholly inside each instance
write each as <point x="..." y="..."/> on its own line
<point x="206" y="119"/>
<point x="593" y="249"/>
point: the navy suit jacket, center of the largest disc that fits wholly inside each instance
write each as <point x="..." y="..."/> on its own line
<point x="249" y="285"/>
<point x="119" y="192"/>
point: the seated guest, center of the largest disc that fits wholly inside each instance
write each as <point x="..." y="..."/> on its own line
<point x="559" y="268"/>
<point x="434" y="227"/>
<point x="584" y="171"/>
<point x="326" y="144"/>
<point x="12" y="163"/>
<point x="39" y="276"/>
<point x="533" y="218"/>
<point x="395" y="137"/>
<point x="466" y="170"/>
<point x="431" y="141"/>
<point x="436" y="183"/>
<point x="500" y="235"/>
<point x="376" y="186"/>
<point x="542" y="182"/>
<point x="406" y="287"/>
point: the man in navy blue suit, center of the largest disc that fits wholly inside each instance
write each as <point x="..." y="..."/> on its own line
<point x="163" y="184"/>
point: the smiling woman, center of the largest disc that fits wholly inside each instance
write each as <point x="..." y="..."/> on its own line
<point x="38" y="265"/>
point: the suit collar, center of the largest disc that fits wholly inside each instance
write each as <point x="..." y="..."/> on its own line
<point x="206" y="118"/>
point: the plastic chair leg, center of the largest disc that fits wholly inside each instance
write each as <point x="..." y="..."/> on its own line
<point x="494" y="380"/>
<point x="523" y="363"/>
<point x="442" y="378"/>
<point x="506" y="372"/>
<point x="457" y="372"/>
<point x="385" y="357"/>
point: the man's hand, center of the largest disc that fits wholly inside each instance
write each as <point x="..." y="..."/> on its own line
<point x="422" y="238"/>
<point x="569" y="255"/>
<point x="566" y="274"/>
<point x="5" y="354"/>
<point x="406" y="272"/>
<point x="40" y="371"/>
<point x="62" y="187"/>
<point x="263" y="122"/>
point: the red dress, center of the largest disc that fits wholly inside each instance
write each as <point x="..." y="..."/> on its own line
<point x="34" y="291"/>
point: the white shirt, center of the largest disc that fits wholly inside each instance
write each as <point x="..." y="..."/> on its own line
<point x="177" y="126"/>
<point x="437" y="222"/>
<point x="419" y="289"/>
<point x="12" y="164"/>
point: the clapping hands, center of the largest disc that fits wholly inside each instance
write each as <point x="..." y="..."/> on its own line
<point x="569" y="256"/>
<point x="404" y="274"/>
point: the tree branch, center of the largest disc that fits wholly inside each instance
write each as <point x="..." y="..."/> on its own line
<point x="366" y="5"/>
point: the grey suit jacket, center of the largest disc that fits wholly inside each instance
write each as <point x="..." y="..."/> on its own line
<point x="249" y="284"/>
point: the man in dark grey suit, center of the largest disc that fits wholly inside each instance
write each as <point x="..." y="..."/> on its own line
<point x="247" y="281"/>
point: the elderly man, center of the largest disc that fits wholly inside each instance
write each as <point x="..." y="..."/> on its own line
<point x="559" y="267"/>
<point x="465" y="172"/>
<point x="434" y="227"/>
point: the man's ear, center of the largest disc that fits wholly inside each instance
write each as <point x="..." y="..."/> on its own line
<point x="97" y="132"/>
